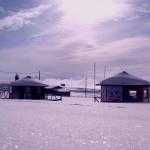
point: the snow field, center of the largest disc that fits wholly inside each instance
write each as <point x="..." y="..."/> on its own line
<point x="73" y="124"/>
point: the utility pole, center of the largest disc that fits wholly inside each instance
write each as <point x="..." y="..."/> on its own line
<point x="105" y="72"/>
<point x="94" y="77"/>
<point x="39" y="75"/>
<point x="85" y="86"/>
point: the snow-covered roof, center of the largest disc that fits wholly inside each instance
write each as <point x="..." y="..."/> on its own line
<point x="28" y="81"/>
<point x="124" y="78"/>
<point x="63" y="90"/>
<point x="4" y="83"/>
<point x="58" y="88"/>
<point x="54" y="87"/>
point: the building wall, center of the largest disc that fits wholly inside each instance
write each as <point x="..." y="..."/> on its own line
<point x="57" y="92"/>
<point x="15" y="93"/>
<point x="28" y="92"/>
<point x="146" y="96"/>
<point x="124" y="94"/>
<point x="137" y="97"/>
<point x="103" y="93"/>
<point x="111" y="93"/>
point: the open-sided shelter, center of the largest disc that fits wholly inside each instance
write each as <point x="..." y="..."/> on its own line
<point x="125" y="87"/>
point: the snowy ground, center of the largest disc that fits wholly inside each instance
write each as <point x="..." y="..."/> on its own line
<point x="73" y="124"/>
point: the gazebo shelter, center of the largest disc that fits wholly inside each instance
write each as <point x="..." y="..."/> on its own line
<point x="125" y="87"/>
<point x="27" y="88"/>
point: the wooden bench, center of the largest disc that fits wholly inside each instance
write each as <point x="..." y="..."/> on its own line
<point x="54" y="98"/>
<point x="97" y="99"/>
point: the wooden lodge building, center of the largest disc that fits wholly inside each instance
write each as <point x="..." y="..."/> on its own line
<point x="57" y="90"/>
<point x="125" y="87"/>
<point x="27" y="88"/>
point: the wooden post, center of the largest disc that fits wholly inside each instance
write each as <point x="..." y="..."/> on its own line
<point x="105" y="72"/>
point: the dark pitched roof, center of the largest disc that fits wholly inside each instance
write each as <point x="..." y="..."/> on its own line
<point x="124" y="78"/>
<point x="28" y="81"/>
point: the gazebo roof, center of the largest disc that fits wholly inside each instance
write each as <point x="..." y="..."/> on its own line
<point x="28" y="81"/>
<point x="124" y="78"/>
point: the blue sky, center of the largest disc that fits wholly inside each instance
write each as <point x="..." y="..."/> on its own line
<point x="63" y="38"/>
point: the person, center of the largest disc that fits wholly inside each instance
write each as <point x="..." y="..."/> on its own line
<point x="16" y="77"/>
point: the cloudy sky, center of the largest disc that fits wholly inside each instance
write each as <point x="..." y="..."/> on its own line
<point x="63" y="38"/>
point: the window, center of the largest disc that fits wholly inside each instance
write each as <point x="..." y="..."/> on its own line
<point x="133" y="94"/>
<point x="145" y="93"/>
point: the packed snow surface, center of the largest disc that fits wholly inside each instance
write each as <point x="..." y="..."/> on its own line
<point x="73" y="124"/>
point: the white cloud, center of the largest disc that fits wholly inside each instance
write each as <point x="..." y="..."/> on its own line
<point x="110" y="51"/>
<point x="93" y="11"/>
<point x="75" y="61"/>
<point x="80" y="17"/>
<point x="71" y="82"/>
<point x="75" y="45"/>
<point x="18" y="20"/>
